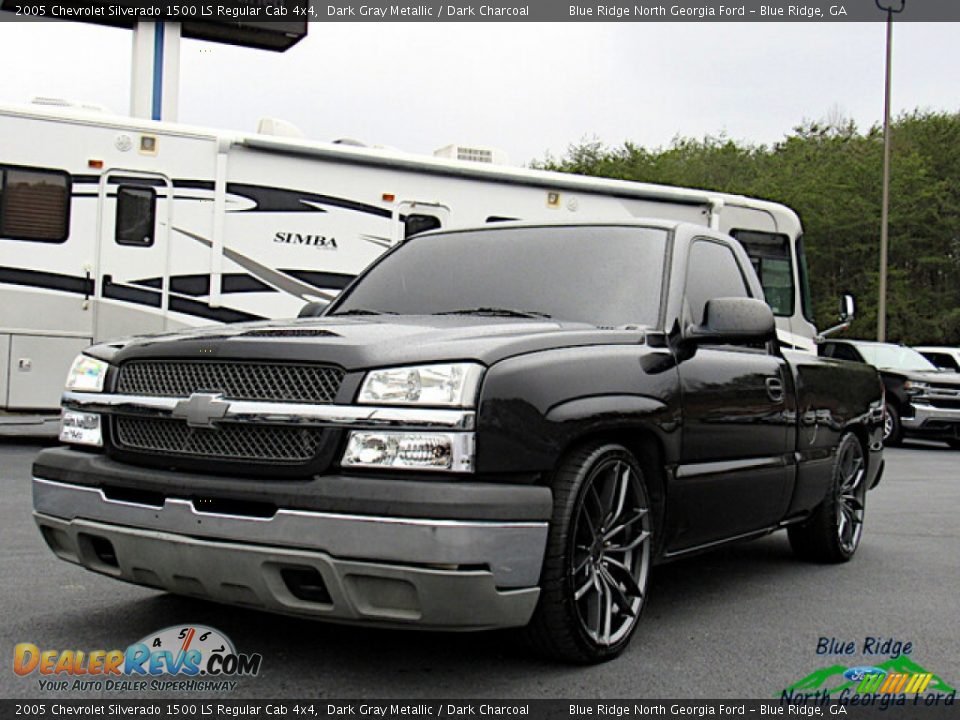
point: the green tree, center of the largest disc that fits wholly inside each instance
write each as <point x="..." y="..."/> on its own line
<point x="829" y="173"/>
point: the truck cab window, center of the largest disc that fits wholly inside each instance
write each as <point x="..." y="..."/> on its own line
<point x="841" y="351"/>
<point x="712" y="272"/>
<point x="34" y="204"/>
<point x="136" y="215"/>
<point x="770" y="255"/>
<point x="418" y="223"/>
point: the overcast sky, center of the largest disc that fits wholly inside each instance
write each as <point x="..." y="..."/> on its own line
<point x="526" y="88"/>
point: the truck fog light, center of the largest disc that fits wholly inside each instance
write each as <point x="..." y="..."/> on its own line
<point x="80" y="428"/>
<point x="413" y="450"/>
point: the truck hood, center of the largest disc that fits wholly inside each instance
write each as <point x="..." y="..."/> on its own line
<point x="358" y="343"/>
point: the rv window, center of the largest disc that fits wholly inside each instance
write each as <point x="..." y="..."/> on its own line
<point x="136" y="215"/>
<point x="770" y="255"/>
<point x="415" y="224"/>
<point x="34" y="204"/>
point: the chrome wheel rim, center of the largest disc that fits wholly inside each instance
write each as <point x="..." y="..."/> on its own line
<point x="887" y="425"/>
<point x="611" y="556"/>
<point x="851" y="469"/>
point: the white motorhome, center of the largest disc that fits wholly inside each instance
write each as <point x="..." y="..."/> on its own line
<point x="112" y="226"/>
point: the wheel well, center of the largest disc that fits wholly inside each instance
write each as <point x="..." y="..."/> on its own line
<point x="860" y="433"/>
<point x="648" y="450"/>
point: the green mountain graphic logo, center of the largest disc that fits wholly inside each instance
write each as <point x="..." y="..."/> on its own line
<point x="830" y="679"/>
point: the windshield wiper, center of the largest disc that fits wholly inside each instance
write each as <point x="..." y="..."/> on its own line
<point x="496" y="312"/>
<point x="363" y="311"/>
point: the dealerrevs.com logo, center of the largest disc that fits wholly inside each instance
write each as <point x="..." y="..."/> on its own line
<point x="200" y="658"/>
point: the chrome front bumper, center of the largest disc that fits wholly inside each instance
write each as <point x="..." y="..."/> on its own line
<point x="923" y="414"/>
<point x="465" y="575"/>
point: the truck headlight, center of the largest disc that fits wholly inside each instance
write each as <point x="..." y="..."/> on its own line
<point x="453" y="384"/>
<point x="81" y="428"/>
<point x="916" y="389"/>
<point x="87" y="374"/>
<point x="410" y="450"/>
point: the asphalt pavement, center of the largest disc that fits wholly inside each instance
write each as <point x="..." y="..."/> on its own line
<point x="744" y="621"/>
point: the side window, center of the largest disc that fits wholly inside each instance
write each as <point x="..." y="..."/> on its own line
<point x="770" y="256"/>
<point x="34" y="204"/>
<point x="418" y="223"/>
<point x="136" y="215"/>
<point x="941" y="360"/>
<point x="712" y="272"/>
<point x="846" y="352"/>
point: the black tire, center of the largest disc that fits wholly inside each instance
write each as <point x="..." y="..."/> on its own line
<point x="832" y="533"/>
<point x="892" y="428"/>
<point x="598" y="558"/>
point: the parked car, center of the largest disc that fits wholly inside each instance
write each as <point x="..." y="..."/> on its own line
<point x="497" y="427"/>
<point x="945" y="358"/>
<point x="921" y="399"/>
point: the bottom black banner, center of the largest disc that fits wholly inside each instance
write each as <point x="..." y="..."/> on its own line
<point x="815" y="707"/>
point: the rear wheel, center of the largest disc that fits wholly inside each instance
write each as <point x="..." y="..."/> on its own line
<point x="892" y="429"/>
<point x="832" y="533"/>
<point x="595" y="574"/>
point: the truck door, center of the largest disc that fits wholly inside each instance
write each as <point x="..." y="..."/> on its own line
<point x="737" y="418"/>
<point x="132" y="266"/>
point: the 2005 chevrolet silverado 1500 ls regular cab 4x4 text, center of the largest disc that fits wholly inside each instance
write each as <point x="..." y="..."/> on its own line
<point x="499" y="427"/>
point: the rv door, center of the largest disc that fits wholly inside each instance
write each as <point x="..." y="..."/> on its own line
<point x="133" y="284"/>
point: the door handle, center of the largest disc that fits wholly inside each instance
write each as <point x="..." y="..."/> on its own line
<point x="774" y="389"/>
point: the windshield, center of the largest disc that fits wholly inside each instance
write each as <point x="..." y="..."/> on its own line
<point x="894" y="357"/>
<point x="599" y="275"/>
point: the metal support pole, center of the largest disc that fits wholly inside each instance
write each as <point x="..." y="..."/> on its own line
<point x="885" y="200"/>
<point x="155" y="71"/>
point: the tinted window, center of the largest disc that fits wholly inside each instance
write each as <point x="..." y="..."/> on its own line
<point x="136" y="215"/>
<point x="418" y="223"/>
<point x="712" y="272"/>
<point x="34" y="204"/>
<point x="941" y="360"/>
<point x="846" y="352"/>
<point x="600" y="275"/>
<point x="770" y="255"/>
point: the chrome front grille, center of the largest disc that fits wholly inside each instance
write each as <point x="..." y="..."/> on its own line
<point x="228" y="441"/>
<point x="271" y="382"/>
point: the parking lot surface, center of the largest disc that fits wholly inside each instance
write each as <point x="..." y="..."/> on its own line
<point x="744" y="621"/>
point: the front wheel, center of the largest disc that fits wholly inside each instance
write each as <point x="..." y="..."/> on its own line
<point x="892" y="428"/>
<point x="594" y="581"/>
<point x="832" y="533"/>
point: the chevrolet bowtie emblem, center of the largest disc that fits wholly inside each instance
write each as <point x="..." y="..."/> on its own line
<point x="201" y="410"/>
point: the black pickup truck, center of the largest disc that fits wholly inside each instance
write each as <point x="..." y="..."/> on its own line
<point x="506" y="426"/>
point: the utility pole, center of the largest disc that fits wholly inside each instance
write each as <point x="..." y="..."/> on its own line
<point x="885" y="201"/>
<point x="155" y="71"/>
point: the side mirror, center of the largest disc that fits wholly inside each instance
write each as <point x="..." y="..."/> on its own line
<point x="733" y="320"/>
<point x="848" y="308"/>
<point x="312" y="309"/>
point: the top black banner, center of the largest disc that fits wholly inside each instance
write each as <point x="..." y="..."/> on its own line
<point x="273" y="15"/>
